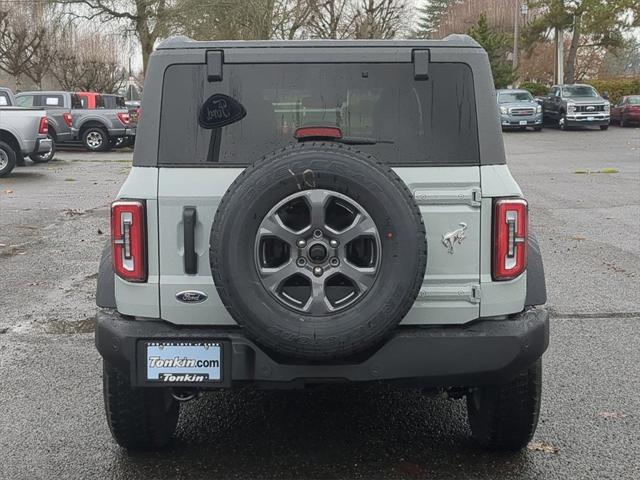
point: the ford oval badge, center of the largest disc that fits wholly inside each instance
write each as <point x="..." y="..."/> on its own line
<point x="220" y="110"/>
<point x="191" y="296"/>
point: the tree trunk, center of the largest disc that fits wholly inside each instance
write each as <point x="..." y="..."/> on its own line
<point x="573" y="49"/>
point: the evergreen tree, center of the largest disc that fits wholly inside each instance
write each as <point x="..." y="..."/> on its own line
<point x="497" y="44"/>
<point x="429" y="17"/>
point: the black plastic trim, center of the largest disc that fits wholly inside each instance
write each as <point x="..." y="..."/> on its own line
<point x="189" y="220"/>
<point x="536" y="286"/>
<point x="105" y="288"/>
<point x="486" y="352"/>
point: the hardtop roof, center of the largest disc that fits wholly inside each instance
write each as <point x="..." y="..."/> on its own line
<point x="452" y="41"/>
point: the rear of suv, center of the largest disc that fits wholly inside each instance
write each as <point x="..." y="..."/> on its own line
<point x="301" y="213"/>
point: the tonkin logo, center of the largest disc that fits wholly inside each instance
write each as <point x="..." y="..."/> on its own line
<point x="191" y="296"/>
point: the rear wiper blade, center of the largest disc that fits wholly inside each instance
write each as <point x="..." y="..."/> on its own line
<point x="360" y="141"/>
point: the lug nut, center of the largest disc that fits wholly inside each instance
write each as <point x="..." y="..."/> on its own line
<point x="334" y="243"/>
<point x="334" y="262"/>
<point x="317" y="233"/>
<point x="301" y="262"/>
<point x="301" y="243"/>
<point x="317" y="271"/>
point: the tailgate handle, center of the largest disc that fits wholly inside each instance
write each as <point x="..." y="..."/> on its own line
<point x="189" y="218"/>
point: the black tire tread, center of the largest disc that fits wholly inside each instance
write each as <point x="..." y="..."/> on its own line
<point x="136" y="416"/>
<point x="13" y="158"/>
<point x="510" y="412"/>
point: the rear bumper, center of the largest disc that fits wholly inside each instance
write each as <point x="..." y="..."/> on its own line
<point x="43" y="145"/>
<point x="487" y="352"/>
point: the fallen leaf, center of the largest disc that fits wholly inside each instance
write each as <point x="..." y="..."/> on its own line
<point x="100" y="232"/>
<point x="611" y="415"/>
<point x="8" y="191"/>
<point x="69" y="179"/>
<point x="582" y="171"/>
<point x="577" y="237"/>
<point x="542" y="447"/>
<point x="608" y="170"/>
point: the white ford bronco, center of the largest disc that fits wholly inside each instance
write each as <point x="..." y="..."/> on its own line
<point x="310" y="212"/>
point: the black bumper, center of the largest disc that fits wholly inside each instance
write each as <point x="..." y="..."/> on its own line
<point x="484" y="353"/>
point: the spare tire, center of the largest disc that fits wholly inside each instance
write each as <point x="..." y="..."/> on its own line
<point x="318" y="251"/>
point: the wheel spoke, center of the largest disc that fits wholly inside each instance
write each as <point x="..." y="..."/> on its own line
<point x="317" y="200"/>
<point x="273" y="226"/>
<point x="362" y="225"/>
<point x="318" y="303"/>
<point x="362" y="277"/>
<point x="272" y="278"/>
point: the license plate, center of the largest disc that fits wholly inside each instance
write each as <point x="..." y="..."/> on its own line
<point x="178" y="362"/>
<point x="523" y="122"/>
<point x="590" y="119"/>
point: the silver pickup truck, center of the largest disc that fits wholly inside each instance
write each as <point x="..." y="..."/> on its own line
<point x="23" y="131"/>
<point x="96" y="129"/>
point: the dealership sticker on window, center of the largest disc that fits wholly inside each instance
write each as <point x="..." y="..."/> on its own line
<point x="220" y="110"/>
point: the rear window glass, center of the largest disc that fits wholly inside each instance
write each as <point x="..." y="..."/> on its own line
<point x="4" y="99"/>
<point x="25" y="101"/>
<point x="51" y="101"/>
<point x="420" y="122"/>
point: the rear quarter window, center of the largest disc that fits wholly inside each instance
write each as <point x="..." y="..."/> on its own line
<point x="431" y="122"/>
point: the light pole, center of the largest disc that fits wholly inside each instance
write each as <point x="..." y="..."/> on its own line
<point x="521" y="9"/>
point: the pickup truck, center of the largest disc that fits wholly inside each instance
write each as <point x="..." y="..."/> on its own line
<point x="95" y="129"/>
<point x="23" y="131"/>
<point x="576" y="106"/>
<point x="97" y="101"/>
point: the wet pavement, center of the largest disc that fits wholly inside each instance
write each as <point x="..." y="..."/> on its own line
<point x="54" y="222"/>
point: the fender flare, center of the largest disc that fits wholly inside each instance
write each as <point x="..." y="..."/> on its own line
<point x="105" y="288"/>
<point x="536" y="286"/>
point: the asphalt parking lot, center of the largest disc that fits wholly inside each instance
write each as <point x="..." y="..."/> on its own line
<point x="584" y="192"/>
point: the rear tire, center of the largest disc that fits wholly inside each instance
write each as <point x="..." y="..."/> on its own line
<point x="7" y="159"/>
<point x="537" y="129"/>
<point x="604" y="127"/>
<point x="45" y="157"/>
<point x="505" y="417"/>
<point x="139" y="418"/>
<point x="95" y="139"/>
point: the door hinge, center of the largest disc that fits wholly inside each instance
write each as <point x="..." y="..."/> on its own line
<point x="475" y="294"/>
<point x="476" y="197"/>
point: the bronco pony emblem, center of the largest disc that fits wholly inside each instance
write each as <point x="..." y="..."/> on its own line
<point x="450" y="239"/>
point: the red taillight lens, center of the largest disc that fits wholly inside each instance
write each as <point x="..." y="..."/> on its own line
<point x="128" y="240"/>
<point x="44" y="126"/>
<point x="510" y="225"/>
<point x="305" y="133"/>
<point x="67" y="119"/>
<point x="124" y="117"/>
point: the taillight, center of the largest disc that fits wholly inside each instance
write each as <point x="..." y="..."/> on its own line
<point x="510" y="225"/>
<point x="128" y="240"/>
<point x="124" y="117"/>
<point x="43" y="129"/>
<point x="306" y="133"/>
<point x="67" y="119"/>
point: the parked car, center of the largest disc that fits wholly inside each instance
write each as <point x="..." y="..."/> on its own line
<point x="576" y="106"/>
<point x="627" y="111"/>
<point x="519" y="109"/>
<point x="23" y="132"/>
<point x="58" y="106"/>
<point x="134" y="109"/>
<point x="301" y="258"/>
<point x="95" y="129"/>
<point x="94" y="101"/>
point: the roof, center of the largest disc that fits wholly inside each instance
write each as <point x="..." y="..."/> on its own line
<point x="452" y="41"/>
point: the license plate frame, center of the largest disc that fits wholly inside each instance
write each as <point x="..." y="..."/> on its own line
<point x="184" y="344"/>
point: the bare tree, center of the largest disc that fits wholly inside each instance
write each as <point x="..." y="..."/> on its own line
<point x="87" y="61"/>
<point x="20" y="42"/>
<point x="380" y="18"/>
<point x="331" y="19"/>
<point x="149" y="19"/>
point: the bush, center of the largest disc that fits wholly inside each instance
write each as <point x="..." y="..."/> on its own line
<point x="536" y="89"/>
<point x="616" y="87"/>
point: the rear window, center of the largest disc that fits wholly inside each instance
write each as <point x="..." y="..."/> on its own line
<point x="421" y="122"/>
<point x="4" y="99"/>
<point x="51" y="101"/>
